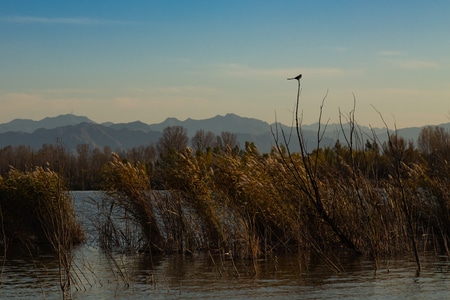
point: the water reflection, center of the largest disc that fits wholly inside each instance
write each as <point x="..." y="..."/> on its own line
<point x="199" y="277"/>
<point x="206" y="276"/>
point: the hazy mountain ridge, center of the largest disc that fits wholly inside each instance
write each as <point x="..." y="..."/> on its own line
<point x="73" y="130"/>
<point x="28" y="125"/>
<point x="95" y="135"/>
<point x="218" y="124"/>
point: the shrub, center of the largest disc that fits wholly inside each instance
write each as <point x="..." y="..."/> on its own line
<point x="37" y="210"/>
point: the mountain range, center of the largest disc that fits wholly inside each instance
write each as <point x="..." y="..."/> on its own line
<point x="73" y="130"/>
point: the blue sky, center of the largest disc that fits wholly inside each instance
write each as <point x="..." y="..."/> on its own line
<point x="123" y="61"/>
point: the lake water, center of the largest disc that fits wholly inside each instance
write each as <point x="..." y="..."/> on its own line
<point x="204" y="276"/>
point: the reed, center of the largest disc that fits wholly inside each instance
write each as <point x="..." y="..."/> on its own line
<point x="251" y="205"/>
<point x="38" y="214"/>
<point x="37" y="210"/>
<point x="135" y="218"/>
<point x="360" y="197"/>
<point x="238" y="200"/>
<point x="127" y="187"/>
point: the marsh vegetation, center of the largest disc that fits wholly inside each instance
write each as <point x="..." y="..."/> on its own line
<point x="359" y="197"/>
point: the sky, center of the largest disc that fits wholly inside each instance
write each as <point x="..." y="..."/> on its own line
<point x="123" y="61"/>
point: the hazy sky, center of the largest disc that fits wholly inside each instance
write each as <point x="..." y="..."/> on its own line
<point x="123" y="61"/>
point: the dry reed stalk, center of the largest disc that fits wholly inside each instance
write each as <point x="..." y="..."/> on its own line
<point x="327" y="200"/>
<point x="128" y="187"/>
<point x="39" y="211"/>
<point x="192" y="177"/>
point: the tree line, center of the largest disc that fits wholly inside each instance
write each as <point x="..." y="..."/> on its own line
<point x="83" y="168"/>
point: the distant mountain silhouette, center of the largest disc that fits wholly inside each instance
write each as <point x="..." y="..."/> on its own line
<point x="218" y="124"/>
<point x="95" y="135"/>
<point x="137" y="125"/>
<point x="74" y="130"/>
<point x="27" y="125"/>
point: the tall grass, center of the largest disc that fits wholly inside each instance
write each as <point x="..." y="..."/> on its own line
<point x="137" y="219"/>
<point x="37" y="213"/>
<point x="250" y="204"/>
<point x="360" y="197"/>
<point x="37" y="210"/>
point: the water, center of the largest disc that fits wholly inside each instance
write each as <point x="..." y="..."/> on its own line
<point x="202" y="276"/>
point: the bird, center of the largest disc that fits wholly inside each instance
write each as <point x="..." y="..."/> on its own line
<point x="297" y="77"/>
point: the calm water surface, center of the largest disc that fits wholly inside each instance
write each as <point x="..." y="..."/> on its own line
<point x="206" y="277"/>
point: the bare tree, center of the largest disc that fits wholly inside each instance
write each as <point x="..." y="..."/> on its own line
<point x="434" y="143"/>
<point x="227" y="140"/>
<point x="83" y="168"/>
<point x="173" y="139"/>
<point x="202" y="140"/>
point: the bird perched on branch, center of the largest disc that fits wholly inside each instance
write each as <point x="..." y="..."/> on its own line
<point x="297" y="77"/>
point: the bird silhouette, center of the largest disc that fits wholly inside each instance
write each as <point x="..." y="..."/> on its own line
<point x="297" y="77"/>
